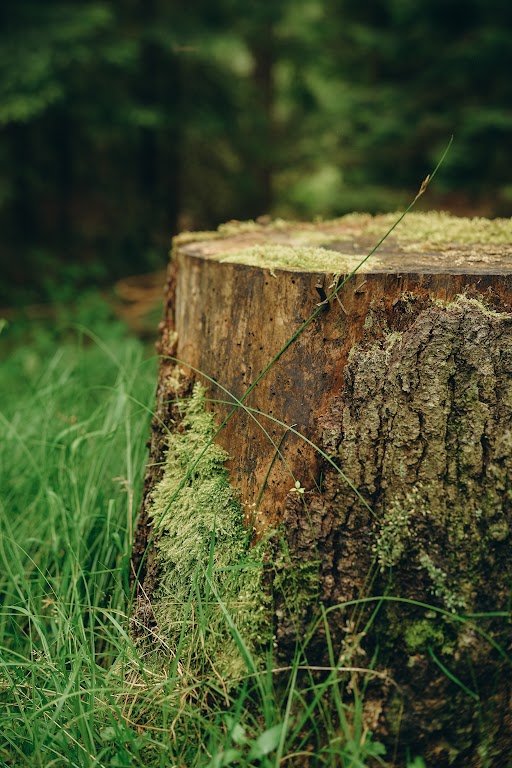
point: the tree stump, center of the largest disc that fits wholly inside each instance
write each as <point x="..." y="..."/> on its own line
<point x="378" y="445"/>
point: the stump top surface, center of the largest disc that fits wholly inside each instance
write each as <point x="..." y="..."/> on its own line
<point x="432" y="242"/>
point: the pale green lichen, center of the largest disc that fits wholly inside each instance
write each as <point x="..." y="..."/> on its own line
<point x="397" y="528"/>
<point x="307" y="259"/>
<point x="435" y="227"/>
<point x="397" y="539"/>
<point x="207" y="568"/>
<point x="441" y="587"/>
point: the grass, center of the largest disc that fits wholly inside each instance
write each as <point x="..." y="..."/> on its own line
<point x="75" y="412"/>
<point x="74" y="419"/>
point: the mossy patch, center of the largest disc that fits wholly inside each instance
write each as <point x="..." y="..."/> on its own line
<point x="210" y="606"/>
<point x="422" y="634"/>
<point x="434" y="227"/>
<point x="307" y="259"/>
<point x="296" y="594"/>
<point x="421" y="242"/>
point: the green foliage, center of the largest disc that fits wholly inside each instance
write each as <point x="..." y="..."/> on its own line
<point x="204" y="555"/>
<point x="39" y="45"/>
<point x="405" y="99"/>
<point x="74" y="418"/>
<point x="122" y="123"/>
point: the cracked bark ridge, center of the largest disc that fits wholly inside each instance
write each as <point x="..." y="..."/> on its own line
<point x="423" y="429"/>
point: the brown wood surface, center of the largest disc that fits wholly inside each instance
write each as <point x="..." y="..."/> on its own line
<point x="232" y="319"/>
<point x="408" y="387"/>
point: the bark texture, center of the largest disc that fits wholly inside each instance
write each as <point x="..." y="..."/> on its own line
<point x="401" y="525"/>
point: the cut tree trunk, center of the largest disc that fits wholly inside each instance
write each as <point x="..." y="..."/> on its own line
<point x="379" y="444"/>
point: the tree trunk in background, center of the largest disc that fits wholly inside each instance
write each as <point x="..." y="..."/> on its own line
<point x="159" y="158"/>
<point x="405" y="381"/>
<point x="263" y="52"/>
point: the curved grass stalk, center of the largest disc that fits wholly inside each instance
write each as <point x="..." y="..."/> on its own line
<point x="461" y="618"/>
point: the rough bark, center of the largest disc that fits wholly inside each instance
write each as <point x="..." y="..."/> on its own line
<point x="404" y="381"/>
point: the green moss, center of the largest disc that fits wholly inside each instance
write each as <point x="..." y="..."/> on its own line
<point x="297" y="583"/>
<point x="206" y="565"/>
<point x="419" y="230"/>
<point x="423" y="634"/>
<point x="435" y="227"/>
<point x="398" y="538"/>
<point x="307" y="259"/>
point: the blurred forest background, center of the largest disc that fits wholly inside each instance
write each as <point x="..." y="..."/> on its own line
<point x="124" y="121"/>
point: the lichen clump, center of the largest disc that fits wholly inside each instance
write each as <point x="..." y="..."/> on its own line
<point x="210" y="607"/>
<point x="436" y="227"/>
<point x="292" y="257"/>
